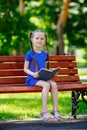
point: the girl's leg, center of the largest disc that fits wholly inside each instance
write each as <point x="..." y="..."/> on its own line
<point x="54" y="93"/>
<point x="45" y="91"/>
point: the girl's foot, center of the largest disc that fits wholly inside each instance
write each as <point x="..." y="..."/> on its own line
<point x="56" y="115"/>
<point x="45" y="116"/>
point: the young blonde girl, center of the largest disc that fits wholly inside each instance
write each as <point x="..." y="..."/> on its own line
<point x="36" y="59"/>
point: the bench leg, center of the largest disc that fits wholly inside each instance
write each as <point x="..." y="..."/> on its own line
<point x="75" y="101"/>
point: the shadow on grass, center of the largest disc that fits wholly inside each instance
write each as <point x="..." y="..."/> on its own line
<point x="9" y="116"/>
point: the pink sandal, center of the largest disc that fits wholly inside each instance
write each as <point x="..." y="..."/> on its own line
<point x="56" y="114"/>
<point x="45" y="116"/>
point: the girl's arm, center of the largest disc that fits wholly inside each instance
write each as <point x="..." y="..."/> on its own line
<point x="28" y="71"/>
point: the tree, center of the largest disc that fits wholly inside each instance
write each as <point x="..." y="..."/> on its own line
<point x="21" y="10"/>
<point x="60" y="25"/>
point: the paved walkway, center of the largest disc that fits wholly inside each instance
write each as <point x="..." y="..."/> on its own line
<point x="38" y="124"/>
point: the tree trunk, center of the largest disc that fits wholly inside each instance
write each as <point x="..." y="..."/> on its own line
<point x="21" y="10"/>
<point x="60" y="26"/>
<point x="21" y="7"/>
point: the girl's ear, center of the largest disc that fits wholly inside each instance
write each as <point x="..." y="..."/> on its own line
<point x="31" y="40"/>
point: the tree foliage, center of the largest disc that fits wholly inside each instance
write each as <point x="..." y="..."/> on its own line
<point x="77" y="23"/>
<point x="42" y="14"/>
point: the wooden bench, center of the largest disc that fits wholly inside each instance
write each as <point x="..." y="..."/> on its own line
<point x="12" y="77"/>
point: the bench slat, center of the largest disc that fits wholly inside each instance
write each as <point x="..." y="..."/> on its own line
<point x="12" y="73"/>
<point x="15" y="72"/>
<point x="11" y="58"/>
<point x="12" y="65"/>
<point x="20" y="65"/>
<point x="68" y="71"/>
<point x="14" y="80"/>
<point x="63" y="65"/>
<point x="66" y="78"/>
<point x="21" y="58"/>
<point x="11" y="80"/>
<point x="23" y="89"/>
<point x="62" y="58"/>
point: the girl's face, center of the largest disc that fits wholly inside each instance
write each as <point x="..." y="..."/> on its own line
<point x="38" y="39"/>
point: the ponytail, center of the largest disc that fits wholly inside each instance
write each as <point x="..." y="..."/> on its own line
<point x="47" y="51"/>
<point x="34" y="59"/>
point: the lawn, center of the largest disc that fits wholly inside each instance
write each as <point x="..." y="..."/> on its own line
<point x="28" y="105"/>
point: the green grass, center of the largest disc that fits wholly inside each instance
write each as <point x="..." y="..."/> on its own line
<point x="82" y="71"/>
<point x="28" y="105"/>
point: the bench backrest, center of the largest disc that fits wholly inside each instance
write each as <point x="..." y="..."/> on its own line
<point x="11" y="69"/>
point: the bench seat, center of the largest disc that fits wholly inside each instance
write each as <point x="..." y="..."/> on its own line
<point x="21" y="88"/>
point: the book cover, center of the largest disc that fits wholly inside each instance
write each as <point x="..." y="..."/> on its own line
<point x="46" y="74"/>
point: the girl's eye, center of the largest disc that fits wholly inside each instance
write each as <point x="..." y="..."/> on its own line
<point x="42" y="38"/>
<point x="37" y="38"/>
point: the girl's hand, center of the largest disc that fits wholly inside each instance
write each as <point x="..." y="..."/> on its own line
<point x="35" y="75"/>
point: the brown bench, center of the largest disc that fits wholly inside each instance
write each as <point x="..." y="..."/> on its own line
<point x="12" y="77"/>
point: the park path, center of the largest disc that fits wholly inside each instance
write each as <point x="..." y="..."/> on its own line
<point x="38" y="124"/>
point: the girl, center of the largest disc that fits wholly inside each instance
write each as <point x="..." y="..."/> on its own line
<point x="35" y="59"/>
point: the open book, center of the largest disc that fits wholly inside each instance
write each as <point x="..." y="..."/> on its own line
<point x="46" y="74"/>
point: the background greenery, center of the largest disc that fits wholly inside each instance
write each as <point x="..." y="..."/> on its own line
<point x="42" y="14"/>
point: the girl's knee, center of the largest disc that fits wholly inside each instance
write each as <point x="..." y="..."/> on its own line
<point x="47" y="85"/>
<point x="54" y="84"/>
